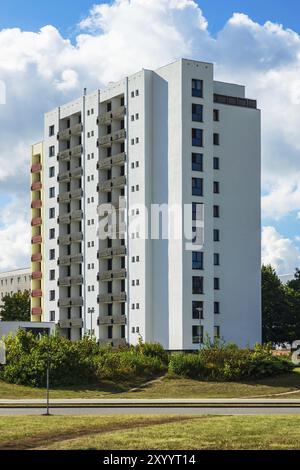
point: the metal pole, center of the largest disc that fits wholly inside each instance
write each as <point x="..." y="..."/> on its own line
<point x="48" y="383"/>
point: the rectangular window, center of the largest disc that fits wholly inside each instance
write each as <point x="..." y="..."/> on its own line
<point x="51" y="213"/>
<point x="197" y="112"/>
<point x="197" y="334"/>
<point x="197" y="211"/>
<point x="52" y="151"/>
<point x="52" y="295"/>
<point x="216" y="163"/>
<point x="51" y="172"/>
<point x="52" y="315"/>
<point x="198" y="258"/>
<point x="197" y="310"/>
<point x="216" y="187"/>
<point x="52" y="192"/>
<point x="109" y="332"/>
<point x="216" y="235"/>
<point x="216" y="283"/>
<point x="216" y="139"/>
<point x="197" y="162"/>
<point x="216" y="308"/>
<point x="197" y="88"/>
<point x="52" y="254"/>
<point x="52" y="233"/>
<point x="197" y="137"/>
<point x="217" y="332"/>
<point x="216" y="259"/>
<point x="216" y="211"/>
<point x="197" y="186"/>
<point x="52" y="275"/>
<point x="197" y="285"/>
<point x="216" y="115"/>
<point x="51" y="131"/>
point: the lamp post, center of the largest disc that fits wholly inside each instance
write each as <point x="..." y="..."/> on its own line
<point x="91" y="311"/>
<point x="200" y="310"/>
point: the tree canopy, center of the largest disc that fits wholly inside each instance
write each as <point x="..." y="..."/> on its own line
<point x="16" y="307"/>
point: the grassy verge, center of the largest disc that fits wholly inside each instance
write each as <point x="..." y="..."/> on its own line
<point x="167" y="387"/>
<point x="150" y="432"/>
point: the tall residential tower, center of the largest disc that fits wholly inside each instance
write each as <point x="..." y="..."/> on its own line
<point x="173" y="137"/>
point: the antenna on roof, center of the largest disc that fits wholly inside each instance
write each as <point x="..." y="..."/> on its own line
<point x="84" y="92"/>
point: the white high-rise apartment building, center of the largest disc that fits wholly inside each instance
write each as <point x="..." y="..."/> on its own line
<point x="173" y="136"/>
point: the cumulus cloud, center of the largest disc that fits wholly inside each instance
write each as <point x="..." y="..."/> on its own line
<point x="43" y="69"/>
<point x="279" y="251"/>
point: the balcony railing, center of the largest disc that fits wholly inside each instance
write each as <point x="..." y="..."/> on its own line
<point x="77" y="172"/>
<point x="36" y="222"/>
<point x="110" y="252"/>
<point x="36" y="293"/>
<point x="115" y="343"/>
<point x="64" y="324"/>
<point x="70" y="281"/>
<point x="36" y="257"/>
<point x="36" y="275"/>
<point x="71" y="302"/>
<point x="64" y="177"/>
<point x="65" y="134"/>
<point x="36" y="311"/>
<point x="71" y="216"/>
<point x="76" y="237"/>
<point x="76" y="151"/>
<point x="37" y="240"/>
<point x="110" y="274"/>
<point x="108" y="298"/>
<point x="108" y="162"/>
<point x="64" y="155"/>
<point x="119" y="320"/>
<point x="121" y="297"/>
<point x="119" y="135"/>
<point x="105" y="141"/>
<point x="76" y="323"/>
<point x="104" y="118"/>
<point x="119" y="182"/>
<point x="64" y="239"/>
<point x="70" y="259"/>
<point x="105" y="320"/>
<point x="36" y="204"/>
<point x="36" y="186"/>
<point x="119" y="113"/>
<point x="37" y="168"/>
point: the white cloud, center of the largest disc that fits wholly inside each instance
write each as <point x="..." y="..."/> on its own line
<point x="279" y="251"/>
<point x="43" y="69"/>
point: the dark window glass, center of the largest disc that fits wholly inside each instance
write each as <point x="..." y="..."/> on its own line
<point x="197" y="186"/>
<point x="216" y="259"/>
<point x="216" y="308"/>
<point x="109" y="332"/>
<point x="216" y="283"/>
<point x="197" y="285"/>
<point x="197" y="137"/>
<point x="216" y="139"/>
<point x="197" y="161"/>
<point x="216" y="163"/>
<point x="197" y="211"/>
<point x="216" y="235"/>
<point x="197" y="112"/>
<point x="198" y="258"/>
<point x="197" y="310"/>
<point x="216" y="187"/>
<point x="216" y="115"/>
<point x="216" y="211"/>
<point x="197" y="334"/>
<point x="197" y="88"/>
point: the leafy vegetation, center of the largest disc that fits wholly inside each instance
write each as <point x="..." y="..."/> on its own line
<point x="16" y="307"/>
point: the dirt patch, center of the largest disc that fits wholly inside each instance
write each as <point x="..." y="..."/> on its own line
<point x="31" y="443"/>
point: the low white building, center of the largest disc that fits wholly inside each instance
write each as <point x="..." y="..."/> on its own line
<point x="15" y="281"/>
<point x="11" y="327"/>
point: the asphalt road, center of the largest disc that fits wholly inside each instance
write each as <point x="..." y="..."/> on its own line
<point x="234" y="411"/>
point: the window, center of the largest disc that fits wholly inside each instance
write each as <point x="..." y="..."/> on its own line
<point x="217" y="332"/>
<point x="197" y="88"/>
<point x="52" y="295"/>
<point x="197" y="310"/>
<point x="216" y="259"/>
<point x="109" y="332"/>
<point x="137" y="116"/>
<point x="51" y="172"/>
<point x="51" y="213"/>
<point x="52" y="233"/>
<point x="197" y="211"/>
<point x="197" y="112"/>
<point x="52" y="192"/>
<point x="216" y="187"/>
<point x="197" y="137"/>
<point x="197" y="285"/>
<point x="132" y="117"/>
<point x="216" y="308"/>
<point x="216" y="139"/>
<point x="216" y="235"/>
<point x="216" y="211"/>
<point x="137" y="93"/>
<point x="52" y="315"/>
<point x="197" y="334"/>
<point x="52" y="151"/>
<point x="51" y="131"/>
<point x="197" y="162"/>
<point x="137" y="140"/>
<point x="216" y="283"/>
<point x="108" y="107"/>
<point x="198" y="258"/>
<point x="197" y="186"/>
<point x="52" y="275"/>
<point x="216" y="115"/>
<point x="132" y="141"/>
<point x="51" y="254"/>
<point x="216" y="163"/>
<point x="132" y="94"/>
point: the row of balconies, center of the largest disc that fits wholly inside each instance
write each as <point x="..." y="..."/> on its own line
<point x="111" y="275"/>
<point x="70" y="217"/>
<point x="66" y="176"/>
<point x="108" y="162"/>
<point x="72" y="323"/>
<point x="110" y="252"/>
<point x="70" y="281"/>
<point x="109" y="298"/>
<point x="67" y="133"/>
<point x="67" y="154"/>
<point x="70" y="259"/>
<point x="106" y="118"/>
<point x="116" y="136"/>
<point x="70" y="238"/>
<point x="108" y="185"/>
<point x="115" y="343"/>
<point x="70" y="302"/>
<point x="112" y="320"/>
<point x="67" y="196"/>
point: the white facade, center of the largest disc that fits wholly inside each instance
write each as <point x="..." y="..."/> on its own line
<point x="15" y="281"/>
<point x="134" y="140"/>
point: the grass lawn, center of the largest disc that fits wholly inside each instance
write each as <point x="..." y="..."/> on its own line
<point x="167" y="387"/>
<point x="150" y="432"/>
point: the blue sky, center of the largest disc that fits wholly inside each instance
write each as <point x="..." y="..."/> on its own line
<point x="43" y="70"/>
<point x="65" y="14"/>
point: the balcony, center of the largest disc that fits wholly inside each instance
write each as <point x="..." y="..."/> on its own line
<point x="37" y="240"/>
<point x="36" y="186"/>
<point x="104" y="119"/>
<point x="105" y="141"/>
<point x="36" y="293"/>
<point x="119" y="182"/>
<point x="117" y="228"/>
<point x="119" y="320"/>
<point x="119" y="136"/>
<point x="105" y="320"/>
<point x="36" y="311"/>
<point x="70" y="281"/>
<point x="67" y="133"/>
<point x="115" y="343"/>
<point x="76" y="194"/>
<point x="64" y="177"/>
<point x="64" y="239"/>
<point x="37" y="168"/>
<point x="76" y="237"/>
<point x="76" y="151"/>
<point x="109" y="275"/>
<point x="64" y="324"/>
<point x="36" y="204"/>
<point x="36" y="222"/>
<point x="119" y="113"/>
<point x="119" y="159"/>
<point x="76" y="323"/>
<point x="121" y="297"/>
<point x="70" y="259"/>
<point x="70" y="302"/>
<point x="76" y="173"/>
<point x="64" y="155"/>
<point x="71" y="217"/>
<point x="36" y="258"/>
<point x="64" y="197"/>
<point x="104" y="186"/>
<point x="110" y="252"/>
<point x="105" y="298"/>
<point x="36" y="275"/>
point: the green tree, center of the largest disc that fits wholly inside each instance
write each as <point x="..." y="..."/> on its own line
<point x="16" y="307"/>
<point x="295" y="283"/>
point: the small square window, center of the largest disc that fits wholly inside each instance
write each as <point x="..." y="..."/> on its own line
<point x="216" y="139"/>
